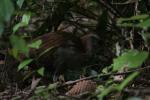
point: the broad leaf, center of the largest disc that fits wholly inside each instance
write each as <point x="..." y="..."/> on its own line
<point x="35" y="44"/>
<point x="20" y="3"/>
<point x="24" y="22"/>
<point x="41" y="71"/>
<point x="6" y="10"/>
<point x="19" y="44"/>
<point x="24" y="63"/>
<point x="130" y="59"/>
<point x="145" y="23"/>
<point x="26" y="18"/>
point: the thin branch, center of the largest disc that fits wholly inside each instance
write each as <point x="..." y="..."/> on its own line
<point x="105" y="75"/>
<point x="110" y="8"/>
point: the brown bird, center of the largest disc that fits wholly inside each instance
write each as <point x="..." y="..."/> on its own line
<point x="69" y="51"/>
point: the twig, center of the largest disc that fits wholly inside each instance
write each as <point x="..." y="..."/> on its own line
<point x="104" y="75"/>
<point x="127" y="2"/>
<point x="110" y="8"/>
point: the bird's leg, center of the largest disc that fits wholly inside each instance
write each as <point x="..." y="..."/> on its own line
<point x="58" y="77"/>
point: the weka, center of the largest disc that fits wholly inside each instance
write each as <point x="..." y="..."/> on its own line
<point x="69" y="51"/>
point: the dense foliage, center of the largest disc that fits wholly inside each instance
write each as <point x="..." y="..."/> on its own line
<point x="74" y="49"/>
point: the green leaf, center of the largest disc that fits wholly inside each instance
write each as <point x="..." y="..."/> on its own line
<point x="141" y="21"/>
<point x="24" y="63"/>
<point x="145" y="23"/>
<point x="52" y="86"/>
<point x="41" y="71"/>
<point x="17" y="26"/>
<point x="19" y="44"/>
<point x="106" y="91"/>
<point x="6" y="10"/>
<point x="127" y="24"/>
<point x="137" y="17"/>
<point x="20" y="3"/>
<point x="24" y="22"/>
<point x="26" y="18"/>
<point x="130" y="59"/>
<point x="121" y="86"/>
<point x="35" y="44"/>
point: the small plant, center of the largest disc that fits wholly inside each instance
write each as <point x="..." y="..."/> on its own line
<point x="131" y="59"/>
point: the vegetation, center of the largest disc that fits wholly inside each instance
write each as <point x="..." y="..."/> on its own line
<point x="74" y="49"/>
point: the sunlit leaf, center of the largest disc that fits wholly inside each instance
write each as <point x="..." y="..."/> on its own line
<point x="41" y="71"/>
<point x="24" y="63"/>
<point x="26" y="18"/>
<point x="20" y="3"/>
<point x="130" y="59"/>
<point x="24" y="22"/>
<point x="17" y="26"/>
<point x="35" y="44"/>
